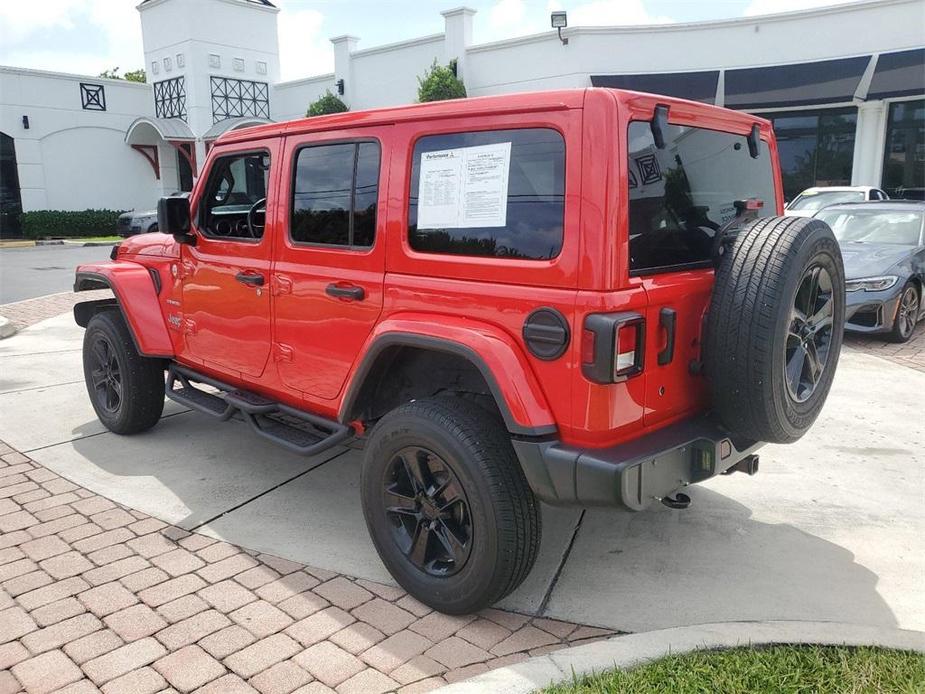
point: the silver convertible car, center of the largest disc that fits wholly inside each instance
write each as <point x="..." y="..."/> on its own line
<point x="883" y="246"/>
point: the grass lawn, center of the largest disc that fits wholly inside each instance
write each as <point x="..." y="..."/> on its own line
<point x="95" y="239"/>
<point x="778" y="669"/>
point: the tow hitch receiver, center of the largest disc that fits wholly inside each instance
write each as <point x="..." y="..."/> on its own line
<point x="679" y="501"/>
<point x="748" y="465"/>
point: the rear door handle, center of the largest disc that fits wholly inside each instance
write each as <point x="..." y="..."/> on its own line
<point x="254" y="279"/>
<point x="668" y="319"/>
<point x="352" y="293"/>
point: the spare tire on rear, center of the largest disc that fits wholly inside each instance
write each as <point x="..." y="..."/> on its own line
<point x="774" y="328"/>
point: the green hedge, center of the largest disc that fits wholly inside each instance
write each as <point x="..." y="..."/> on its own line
<point x="69" y="223"/>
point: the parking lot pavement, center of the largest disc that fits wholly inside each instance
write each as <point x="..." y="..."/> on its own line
<point x="911" y="354"/>
<point x="830" y="529"/>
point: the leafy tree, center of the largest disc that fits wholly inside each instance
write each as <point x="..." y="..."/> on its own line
<point x="131" y="76"/>
<point x="439" y="83"/>
<point x="326" y="103"/>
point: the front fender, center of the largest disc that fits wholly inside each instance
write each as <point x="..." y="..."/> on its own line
<point x="495" y="353"/>
<point x="136" y="292"/>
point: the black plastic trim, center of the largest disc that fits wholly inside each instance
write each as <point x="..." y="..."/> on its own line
<point x="546" y="333"/>
<point x="438" y="344"/>
<point x="633" y="475"/>
<point x="658" y="124"/>
<point x="79" y="314"/>
<point x="754" y="141"/>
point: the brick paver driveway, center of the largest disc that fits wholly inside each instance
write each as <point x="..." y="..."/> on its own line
<point x="95" y="596"/>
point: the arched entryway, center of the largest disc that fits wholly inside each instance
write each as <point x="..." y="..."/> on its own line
<point x="170" y="148"/>
<point x="10" y="196"/>
<point x="223" y="126"/>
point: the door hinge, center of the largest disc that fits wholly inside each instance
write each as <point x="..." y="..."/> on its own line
<point x="281" y="285"/>
<point x="282" y="352"/>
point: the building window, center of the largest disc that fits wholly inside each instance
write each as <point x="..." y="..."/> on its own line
<point x="170" y="98"/>
<point x="181" y="60"/>
<point x="215" y="60"/>
<point x="335" y="194"/>
<point x="816" y="148"/>
<point x="261" y="67"/>
<point x="904" y="158"/>
<point x="92" y="97"/>
<point x="168" y="64"/>
<point x="497" y="193"/>
<point x="237" y="64"/>
<point x="155" y="67"/>
<point x="235" y="98"/>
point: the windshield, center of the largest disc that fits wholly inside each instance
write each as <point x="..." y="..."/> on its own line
<point x="875" y="226"/>
<point x="816" y="201"/>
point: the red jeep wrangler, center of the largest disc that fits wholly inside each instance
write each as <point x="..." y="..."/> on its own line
<point x="582" y="297"/>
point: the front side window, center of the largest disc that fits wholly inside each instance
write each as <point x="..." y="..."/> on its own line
<point x="234" y="204"/>
<point x="679" y="196"/>
<point x="335" y="193"/>
<point x="497" y="193"/>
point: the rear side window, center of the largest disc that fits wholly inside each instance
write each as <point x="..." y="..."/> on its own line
<point x="681" y="195"/>
<point x="335" y="191"/>
<point x="498" y="193"/>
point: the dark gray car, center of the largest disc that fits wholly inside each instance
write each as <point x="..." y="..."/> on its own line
<point x="883" y="246"/>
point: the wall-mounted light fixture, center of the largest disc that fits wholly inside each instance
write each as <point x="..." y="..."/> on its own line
<point x="559" y="21"/>
<point x="25" y="122"/>
<point x="340" y="86"/>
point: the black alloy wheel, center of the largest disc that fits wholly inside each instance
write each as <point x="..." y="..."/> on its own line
<point x="428" y="511"/>
<point x="810" y="335"/>
<point x="105" y="374"/>
<point x="126" y="389"/>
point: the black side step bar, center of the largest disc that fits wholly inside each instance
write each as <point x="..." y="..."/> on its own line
<point x="300" y="432"/>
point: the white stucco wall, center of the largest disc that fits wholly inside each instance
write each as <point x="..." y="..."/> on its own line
<point x="70" y="158"/>
<point x="387" y="75"/>
<point x="290" y="100"/>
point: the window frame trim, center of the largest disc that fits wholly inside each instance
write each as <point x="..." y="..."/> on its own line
<point x="200" y="210"/>
<point x="356" y="142"/>
<point x="468" y="256"/>
<point x="703" y="264"/>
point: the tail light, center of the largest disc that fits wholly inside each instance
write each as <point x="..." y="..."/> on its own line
<point x="613" y="346"/>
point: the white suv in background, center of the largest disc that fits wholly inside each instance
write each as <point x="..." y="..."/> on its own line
<point x="811" y="200"/>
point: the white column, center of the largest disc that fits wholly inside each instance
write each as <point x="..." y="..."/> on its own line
<point x="343" y="47"/>
<point x="869" y="141"/>
<point x="458" y="36"/>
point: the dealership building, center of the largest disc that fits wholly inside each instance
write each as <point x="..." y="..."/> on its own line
<point x="843" y="85"/>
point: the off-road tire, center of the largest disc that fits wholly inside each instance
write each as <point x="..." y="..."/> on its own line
<point x="749" y="320"/>
<point x="142" y="378"/>
<point x="896" y="332"/>
<point x="505" y="535"/>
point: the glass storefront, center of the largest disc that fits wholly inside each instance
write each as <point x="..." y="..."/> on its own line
<point x="904" y="158"/>
<point x="816" y="148"/>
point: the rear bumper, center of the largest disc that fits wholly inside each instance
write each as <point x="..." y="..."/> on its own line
<point x="635" y="474"/>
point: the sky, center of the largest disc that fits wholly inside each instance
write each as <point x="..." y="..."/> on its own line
<point x="89" y="36"/>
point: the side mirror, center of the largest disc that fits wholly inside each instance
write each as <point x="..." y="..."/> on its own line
<point x="173" y="217"/>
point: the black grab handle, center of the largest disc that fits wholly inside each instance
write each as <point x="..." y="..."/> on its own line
<point x="252" y="278"/>
<point x="352" y="293"/>
<point x="668" y="319"/>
